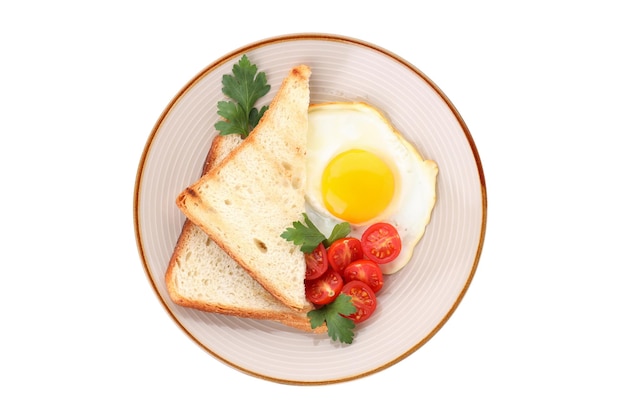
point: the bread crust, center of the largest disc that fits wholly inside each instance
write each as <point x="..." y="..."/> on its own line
<point x="187" y="243"/>
<point x="268" y="202"/>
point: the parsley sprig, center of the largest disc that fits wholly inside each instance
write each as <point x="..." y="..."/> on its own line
<point x="334" y="315"/>
<point x="245" y="86"/>
<point x="308" y="236"/>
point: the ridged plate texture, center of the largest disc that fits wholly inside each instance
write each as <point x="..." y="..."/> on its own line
<point x="416" y="301"/>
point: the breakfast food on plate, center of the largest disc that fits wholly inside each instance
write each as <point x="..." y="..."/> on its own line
<point x="361" y="170"/>
<point x="201" y="275"/>
<point x="301" y="221"/>
<point x="369" y="197"/>
<point x="247" y="201"/>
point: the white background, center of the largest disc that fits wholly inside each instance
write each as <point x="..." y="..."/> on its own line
<point x="541" y="86"/>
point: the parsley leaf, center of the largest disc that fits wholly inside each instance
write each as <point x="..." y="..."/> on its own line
<point x="308" y="236"/>
<point x="339" y="327"/>
<point x="245" y="86"/>
<point x="340" y="230"/>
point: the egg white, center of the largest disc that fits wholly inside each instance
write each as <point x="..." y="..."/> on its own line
<point x="340" y="126"/>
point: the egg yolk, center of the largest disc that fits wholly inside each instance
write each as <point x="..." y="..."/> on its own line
<point x="357" y="186"/>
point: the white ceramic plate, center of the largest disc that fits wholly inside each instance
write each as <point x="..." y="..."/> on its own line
<point x="416" y="302"/>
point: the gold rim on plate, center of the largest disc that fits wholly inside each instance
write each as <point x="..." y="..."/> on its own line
<point x="417" y="302"/>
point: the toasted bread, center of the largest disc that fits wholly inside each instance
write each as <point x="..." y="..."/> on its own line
<point x="256" y="192"/>
<point x="201" y="275"/>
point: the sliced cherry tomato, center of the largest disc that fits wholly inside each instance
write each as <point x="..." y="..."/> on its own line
<point x="316" y="262"/>
<point x="344" y="251"/>
<point x="325" y="289"/>
<point x="381" y="243"/>
<point x="366" y="271"/>
<point x="363" y="298"/>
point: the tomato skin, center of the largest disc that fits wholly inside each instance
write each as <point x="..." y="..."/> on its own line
<point x="363" y="298"/>
<point x="381" y="243"/>
<point x="344" y="251"/>
<point x="325" y="289"/>
<point x="367" y="271"/>
<point x="316" y="262"/>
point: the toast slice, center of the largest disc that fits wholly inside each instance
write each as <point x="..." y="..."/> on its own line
<point x="202" y="276"/>
<point x="251" y="197"/>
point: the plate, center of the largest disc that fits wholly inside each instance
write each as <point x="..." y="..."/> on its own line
<point x="416" y="302"/>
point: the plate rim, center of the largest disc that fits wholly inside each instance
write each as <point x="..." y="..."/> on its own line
<point x="315" y="36"/>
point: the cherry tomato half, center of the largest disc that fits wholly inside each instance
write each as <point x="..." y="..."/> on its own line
<point x="325" y="289"/>
<point x="366" y="271"/>
<point x="344" y="251"/>
<point x="363" y="298"/>
<point x="316" y="262"/>
<point x="381" y="243"/>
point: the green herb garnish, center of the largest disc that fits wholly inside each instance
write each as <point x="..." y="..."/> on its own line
<point x="308" y="236"/>
<point x="245" y="86"/>
<point x="340" y="230"/>
<point x="339" y="327"/>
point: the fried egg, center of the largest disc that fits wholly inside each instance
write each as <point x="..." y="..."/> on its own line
<point x="361" y="170"/>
